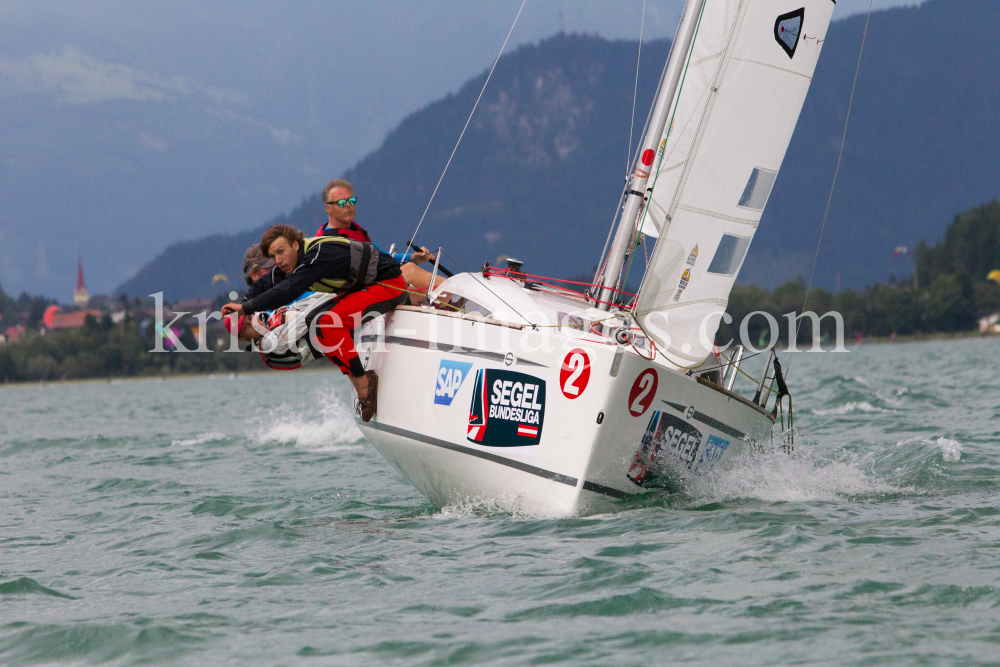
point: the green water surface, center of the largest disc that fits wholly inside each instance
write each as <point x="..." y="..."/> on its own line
<point x="243" y="521"/>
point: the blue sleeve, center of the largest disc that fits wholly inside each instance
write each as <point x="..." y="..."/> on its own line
<point x="400" y="257"/>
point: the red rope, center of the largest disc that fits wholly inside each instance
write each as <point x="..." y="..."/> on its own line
<point x="563" y="290"/>
<point x="503" y="273"/>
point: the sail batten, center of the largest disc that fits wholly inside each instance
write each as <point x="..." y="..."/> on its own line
<point x="748" y="71"/>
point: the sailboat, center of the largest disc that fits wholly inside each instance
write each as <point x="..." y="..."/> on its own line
<point x="504" y="387"/>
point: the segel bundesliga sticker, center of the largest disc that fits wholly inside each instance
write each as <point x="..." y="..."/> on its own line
<point x="507" y="409"/>
<point x="450" y="376"/>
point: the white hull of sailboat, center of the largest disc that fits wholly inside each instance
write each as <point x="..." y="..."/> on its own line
<point x="470" y="410"/>
<point x="523" y="410"/>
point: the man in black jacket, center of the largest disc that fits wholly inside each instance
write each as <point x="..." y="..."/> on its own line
<point x="366" y="281"/>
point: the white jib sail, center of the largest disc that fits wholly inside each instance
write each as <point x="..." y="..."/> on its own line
<point x="747" y="75"/>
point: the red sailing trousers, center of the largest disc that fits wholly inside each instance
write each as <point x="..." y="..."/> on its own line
<point x="335" y="328"/>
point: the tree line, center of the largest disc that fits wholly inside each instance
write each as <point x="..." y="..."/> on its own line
<point x="102" y="349"/>
<point x="951" y="292"/>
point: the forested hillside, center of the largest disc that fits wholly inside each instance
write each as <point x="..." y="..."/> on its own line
<point x="540" y="170"/>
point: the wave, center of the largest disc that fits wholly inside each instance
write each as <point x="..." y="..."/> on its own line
<point x="199" y="440"/>
<point x="486" y="507"/>
<point x="849" y="408"/>
<point x="26" y="586"/>
<point x="326" y="425"/>
<point x="780" y="477"/>
<point x="950" y="450"/>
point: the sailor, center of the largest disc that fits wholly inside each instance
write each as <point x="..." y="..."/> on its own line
<point x="255" y="264"/>
<point x="365" y="280"/>
<point x="341" y="206"/>
<point x="259" y="272"/>
<point x="287" y="331"/>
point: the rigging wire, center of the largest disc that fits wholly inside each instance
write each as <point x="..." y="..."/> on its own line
<point x="843" y="140"/>
<point x="635" y="91"/>
<point x="635" y="94"/>
<point x="645" y="208"/>
<point x="469" y="120"/>
<point x="530" y="323"/>
<point x="635" y="156"/>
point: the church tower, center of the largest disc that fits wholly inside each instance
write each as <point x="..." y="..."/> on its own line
<point x="81" y="297"/>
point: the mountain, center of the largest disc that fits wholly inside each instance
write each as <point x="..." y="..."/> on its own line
<point x="922" y="144"/>
<point x="186" y="269"/>
<point x="539" y="171"/>
<point x="553" y="124"/>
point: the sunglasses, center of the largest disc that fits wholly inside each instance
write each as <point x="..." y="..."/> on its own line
<point x="341" y="203"/>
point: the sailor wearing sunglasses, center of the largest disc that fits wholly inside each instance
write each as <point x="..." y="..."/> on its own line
<point x="341" y="206"/>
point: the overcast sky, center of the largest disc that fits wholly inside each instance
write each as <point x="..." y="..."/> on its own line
<point x="331" y="78"/>
<point x="395" y="56"/>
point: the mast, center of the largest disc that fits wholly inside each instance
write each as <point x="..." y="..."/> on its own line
<point x="637" y="183"/>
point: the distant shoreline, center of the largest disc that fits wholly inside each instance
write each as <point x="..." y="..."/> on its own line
<point x="922" y="338"/>
<point x="172" y="376"/>
<point x="314" y="368"/>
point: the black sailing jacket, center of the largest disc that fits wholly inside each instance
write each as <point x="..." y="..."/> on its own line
<point x="326" y="264"/>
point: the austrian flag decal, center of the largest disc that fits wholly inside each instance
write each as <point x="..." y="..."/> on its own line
<point x="529" y="431"/>
<point x="507" y="409"/>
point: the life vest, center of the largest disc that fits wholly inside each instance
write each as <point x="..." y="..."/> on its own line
<point x="364" y="265"/>
<point x="355" y="231"/>
<point x="287" y="345"/>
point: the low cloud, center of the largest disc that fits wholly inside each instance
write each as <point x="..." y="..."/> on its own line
<point x="149" y="141"/>
<point x="79" y="79"/>
<point x="76" y="78"/>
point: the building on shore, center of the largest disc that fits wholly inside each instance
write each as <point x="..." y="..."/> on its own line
<point x="81" y="297"/>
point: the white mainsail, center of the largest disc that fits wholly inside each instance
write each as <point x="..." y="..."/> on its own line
<point x="746" y="76"/>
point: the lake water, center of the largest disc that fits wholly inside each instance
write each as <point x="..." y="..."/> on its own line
<point x="244" y="521"/>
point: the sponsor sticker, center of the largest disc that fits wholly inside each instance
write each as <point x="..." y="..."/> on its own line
<point x="642" y="393"/>
<point x="676" y="437"/>
<point x="507" y="410"/>
<point x="575" y="373"/>
<point x="450" y="376"/>
<point x="686" y="276"/>
<point x="715" y="447"/>
<point x="667" y="435"/>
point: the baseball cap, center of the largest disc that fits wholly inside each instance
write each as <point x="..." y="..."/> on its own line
<point x="234" y="324"/>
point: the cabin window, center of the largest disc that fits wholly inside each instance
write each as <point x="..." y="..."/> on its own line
<point x="461" y="304"/>
<point x="567" y="321"/>
<point x="729" y="255"/>
<point x="758" y="189"/>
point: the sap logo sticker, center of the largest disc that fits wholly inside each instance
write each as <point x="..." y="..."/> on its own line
<point x="450" y="376"/>
<point x="715" y="447"/>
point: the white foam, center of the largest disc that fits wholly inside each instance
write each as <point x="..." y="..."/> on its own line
<point x="509" y="505"/>
<point x="951" y="450"/>
<point x="848" y="408"/>
<point x="780" y="477"/>
<point x="199" y="440"/>
<point x="326" y="425"/>
<point x="477" y="507"/>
